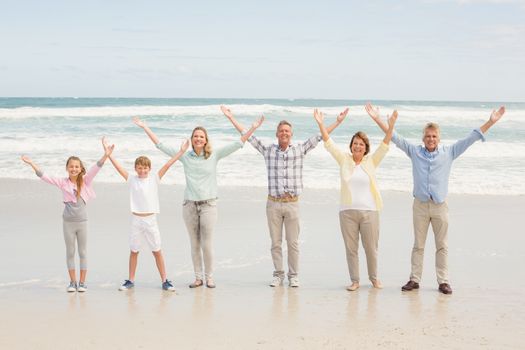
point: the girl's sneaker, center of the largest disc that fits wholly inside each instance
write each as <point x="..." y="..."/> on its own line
<point x="82" y="287"/>
<point x="127" y="285"/>
<point x="72" y="287"/>
<point x="166" y="285"/>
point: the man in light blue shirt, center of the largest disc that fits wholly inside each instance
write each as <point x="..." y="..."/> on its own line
<point x="431" y="165"/>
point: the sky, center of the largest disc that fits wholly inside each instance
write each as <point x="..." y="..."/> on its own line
<point x="452" y="50"/>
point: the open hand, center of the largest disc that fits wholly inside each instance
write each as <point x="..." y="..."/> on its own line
<point x="258" y="122"/>
<point x="185" y="145"/>
<point x="496" y="115"/>
<point x="139" y="122"/>
<point x="108" y="149"/>
<point x="372" y="111"/>
<point x="342" y="115"/>
<point x="319" y="116"/>
<point x="26" y="159"/>
<point x="392" y="119"/>
<point x="226" y="111"/>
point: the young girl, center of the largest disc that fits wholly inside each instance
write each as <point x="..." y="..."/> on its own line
<point x="77" y="190"/>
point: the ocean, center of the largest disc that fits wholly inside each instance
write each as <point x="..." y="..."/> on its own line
<point x="51" y="129"/>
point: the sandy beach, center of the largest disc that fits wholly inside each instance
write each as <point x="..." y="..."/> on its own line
<point x="486" y="253"/>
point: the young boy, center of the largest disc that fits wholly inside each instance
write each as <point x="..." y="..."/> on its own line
<point x="144" y="200"/>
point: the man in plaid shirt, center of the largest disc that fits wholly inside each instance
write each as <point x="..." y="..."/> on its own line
<point x="284" y="163"/>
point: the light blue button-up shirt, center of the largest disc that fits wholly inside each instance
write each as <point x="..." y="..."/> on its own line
<point x="201" y="173"/>
<point x="431" y="170"/>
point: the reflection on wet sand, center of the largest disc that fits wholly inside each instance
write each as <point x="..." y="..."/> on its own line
<point x="282" y="296"/>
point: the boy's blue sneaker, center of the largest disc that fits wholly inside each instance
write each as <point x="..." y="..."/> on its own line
<point x="166" y="285"/>
<point x="127" y="285"/>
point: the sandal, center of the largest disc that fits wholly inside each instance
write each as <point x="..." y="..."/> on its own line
<point x="197" y="283"/>
<point x="353" y="287"/>
<point x="210" y="283"/>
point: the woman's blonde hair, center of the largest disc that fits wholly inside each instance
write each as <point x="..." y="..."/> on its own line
<point x="80" y="177"/>
<point x="207" y="146"/>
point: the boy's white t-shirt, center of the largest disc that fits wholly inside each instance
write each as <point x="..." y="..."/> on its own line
<point x="144" y="193"/>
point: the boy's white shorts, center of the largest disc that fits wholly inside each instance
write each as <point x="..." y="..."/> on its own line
<point x="144" y="229"/>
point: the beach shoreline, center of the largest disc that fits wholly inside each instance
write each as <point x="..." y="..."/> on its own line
<point x="485" y="311"/>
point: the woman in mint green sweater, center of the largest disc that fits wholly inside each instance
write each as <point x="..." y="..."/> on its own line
<point x="199" y="208"/>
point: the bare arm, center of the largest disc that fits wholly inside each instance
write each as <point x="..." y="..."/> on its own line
<point x="340" y="118"/>
<point x="319" y="118"/>
<point x="228" y="113"/>
<point x="120" y="169"/>
<point x="494" y="117"/>
<point x="148" y="131"/>
<point x="107" y="151"/>
<point x="180" y="153"/>
<point x="29" y="161"/>
<point x="373" y="112"/>
<point x="254" y="127"/>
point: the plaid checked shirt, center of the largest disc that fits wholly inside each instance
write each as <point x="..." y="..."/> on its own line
<point x="285" y="168"/>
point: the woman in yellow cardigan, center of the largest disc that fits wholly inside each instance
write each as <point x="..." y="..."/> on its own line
<point x="360" y="197"/>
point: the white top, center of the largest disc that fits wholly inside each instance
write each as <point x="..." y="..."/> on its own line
<point x="144" y="193"/>
<point x="362" y="198"/>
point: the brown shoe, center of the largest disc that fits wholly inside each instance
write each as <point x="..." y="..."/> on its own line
<point x="445" y="288"/>
<point x="411" y="285"/>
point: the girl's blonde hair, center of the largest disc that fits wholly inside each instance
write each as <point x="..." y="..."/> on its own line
<point x="207" y="146"/>
<point x="80" y="177"/>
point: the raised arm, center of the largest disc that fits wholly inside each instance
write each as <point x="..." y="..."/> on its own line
<point x="319" y="118"/>
<point x="340" y="118"/>
<point x="228" y="113"/>
<point x="123" y="172"/>
<point x="391" y="123"/>
<point x="373" y="112"/>
<point x="29" y="161"/>
<point x="180" y="153"/>
<point x="254" y="127"/>
<point x="148" y="131"/>
<point x="494" y="117"/>
<point x="108" y="149"/>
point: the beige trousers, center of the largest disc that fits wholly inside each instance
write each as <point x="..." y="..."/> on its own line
<point x="424" y="214"/>
<point x="365" y="222"/>
<point x="278" y="215"/>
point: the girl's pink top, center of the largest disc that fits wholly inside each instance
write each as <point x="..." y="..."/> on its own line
<point x="68" y="188"/>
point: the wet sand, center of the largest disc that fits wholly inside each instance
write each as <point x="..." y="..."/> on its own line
<point x="486" y="253"/>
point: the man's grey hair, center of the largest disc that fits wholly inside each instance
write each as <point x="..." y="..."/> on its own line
<point x="431" y="125"/>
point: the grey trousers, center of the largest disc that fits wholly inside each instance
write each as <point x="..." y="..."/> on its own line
<point x="424" y="214"/>
<point x="287" y="214"/>
<point x="75" y="232"/>
<point x="365" y="222"/>
<point x="200" y="218"/>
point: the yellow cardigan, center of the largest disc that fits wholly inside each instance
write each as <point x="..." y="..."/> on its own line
<point x="347" y="166"/>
